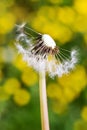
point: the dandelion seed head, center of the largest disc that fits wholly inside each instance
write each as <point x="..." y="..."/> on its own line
<point x="43" y="54"/>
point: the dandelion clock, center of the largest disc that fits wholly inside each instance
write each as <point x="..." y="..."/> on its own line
<point x="41" y="52"/>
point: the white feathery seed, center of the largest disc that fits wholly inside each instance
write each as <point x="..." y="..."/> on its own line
<point x="22" y="35"/>
<point x="38" y="57"/>
<point x="21" y="26"/>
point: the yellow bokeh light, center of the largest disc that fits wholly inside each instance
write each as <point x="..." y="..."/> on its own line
<point x="58" y="31"/>
<point x="54" y="91"/>
<point x="81" y="6"/>
<point x="68" y="87"/>
<point x="19" y="63"/>
<point x="21" y="97"/>
<point x="69" y="94"/>
<point x="76" y="80"/>
<point x="11" y="86"/>
<point x="47" y="24"/>
<point x="64" y="34"/>
<point x="7" y="22"/>
<point x="66" y="15"/>
<point x="29" y="77"/>
<point x="80" y="24"/>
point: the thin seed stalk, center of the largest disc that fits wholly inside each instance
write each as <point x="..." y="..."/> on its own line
<point x="43" y="101"/>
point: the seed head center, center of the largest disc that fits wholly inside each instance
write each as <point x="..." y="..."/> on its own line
<point x="48" y="41"/>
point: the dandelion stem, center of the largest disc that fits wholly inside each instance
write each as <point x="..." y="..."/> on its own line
<point x="43" y="101"/>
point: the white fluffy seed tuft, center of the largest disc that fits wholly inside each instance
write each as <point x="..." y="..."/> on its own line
<point x="48" y="41"/>
<point x="56" y="66"/>
<point x="52" y="67"/>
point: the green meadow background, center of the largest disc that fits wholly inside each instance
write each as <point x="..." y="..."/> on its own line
<point x="66" y="22"/>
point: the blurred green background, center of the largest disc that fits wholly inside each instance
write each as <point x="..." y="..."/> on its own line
<point x="66" y="22"/>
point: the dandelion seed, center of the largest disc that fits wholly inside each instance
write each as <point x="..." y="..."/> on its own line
<point x="20" y="27"/>
<point x="43" y="54"/>
<point x="40" y="52"/>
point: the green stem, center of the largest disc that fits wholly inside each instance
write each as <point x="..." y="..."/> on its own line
<point x="43" y="101"/>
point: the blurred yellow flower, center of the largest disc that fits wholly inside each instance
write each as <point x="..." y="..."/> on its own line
<point x="48" y="12"/>
<point x="80" y="125"/>
<point x="18" y="62"/>
<point x="66" y="15"/>
<point x="72" y="84"/>
<point x="84" y="113"/>
<point x="76" y="80"/>
<point x="21" y="97"/>
<point x="54" y="91"/>
<point x="68" y="87"/>
<point x="47" y="24"/>
<point x="81" y="6"/>
<point x="80" y="23"/>
<point x="69" y="94"/>
<point x="42" y="21"/>
<point x="3" y="95"/>
<point x="11" y="86"/>
<point x="58" y="31"/>
<point x="29" y="77"/>
<point x="51" y="29"/>
<point x="64" y="34"/>
<point x="59" y="108"/>
<point x="7" y="22"/>
<point x="44" y="18"/>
